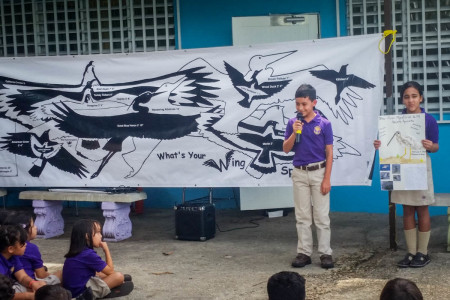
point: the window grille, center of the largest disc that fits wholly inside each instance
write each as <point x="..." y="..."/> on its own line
<point x="422" y="48"/>
<point x="77" y="27"/>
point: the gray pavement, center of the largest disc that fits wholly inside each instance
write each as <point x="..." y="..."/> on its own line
<point x="236" y="264"/>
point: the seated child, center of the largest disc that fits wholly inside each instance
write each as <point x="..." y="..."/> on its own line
<point x="52" y="292"/>
<point x="400" y="288"/>
<point x="31" y="260"/>
<point x="6" y="288"/>
<point x="84" y="268"/>
<point x="286" y="285"/>
<point x="12" y="245"/>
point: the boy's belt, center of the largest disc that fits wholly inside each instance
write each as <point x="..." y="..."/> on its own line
<point x="313" y="167"/>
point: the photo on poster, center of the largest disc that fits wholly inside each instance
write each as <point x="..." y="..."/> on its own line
<point x="385" y="167"/>
<point x="396" y="169"/>
<point x="387" y="185"/>
<point x="385" y="175"/>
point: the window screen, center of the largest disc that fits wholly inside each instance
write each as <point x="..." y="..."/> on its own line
<point x="422" y="48"/>
<point x="65" y="27"/>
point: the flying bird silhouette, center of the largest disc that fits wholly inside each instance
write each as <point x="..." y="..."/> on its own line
<point x="342" y="80"/>
<point x="117" y="128"/>
<point x="161" y="115"/>
<point x="45" y="151"/>
<point x="259" y="82"/>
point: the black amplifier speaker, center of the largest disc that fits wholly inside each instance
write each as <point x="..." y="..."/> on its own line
<point x="195" y="221"/>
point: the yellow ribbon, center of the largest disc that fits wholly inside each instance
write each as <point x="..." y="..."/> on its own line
<point x="386" y="33"/>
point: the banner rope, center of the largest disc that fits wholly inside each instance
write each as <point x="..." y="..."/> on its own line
<point x="386" y="33"/>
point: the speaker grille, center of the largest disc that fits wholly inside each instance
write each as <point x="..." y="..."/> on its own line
<point x="195" y="222"/>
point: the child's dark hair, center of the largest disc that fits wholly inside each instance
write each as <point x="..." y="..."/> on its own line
<point x="19" y="218"/>
<point x="412" y="84"/>
<point x="82" y="233"/>
<point x="3" y="215"/>
<point x="52" y="292"/>
<point x="286" y="285"/>
<point x="6" y="288"/>
<point x="306" y="91"/>
<point x="10" y="235"/>
<point x="400" y="289"/>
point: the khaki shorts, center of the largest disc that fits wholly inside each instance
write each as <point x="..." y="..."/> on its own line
<point x="50" y="280"/>
<point x="417" y="198"/>
<point x="99" y="288"/>
<point x="18" y="288"/>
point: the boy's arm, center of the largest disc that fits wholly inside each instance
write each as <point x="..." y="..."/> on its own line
<point x="290" y="141"/>
<point x="325" y="187"/>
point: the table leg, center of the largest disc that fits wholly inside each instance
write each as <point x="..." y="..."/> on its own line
<point x="117" y="225"/>
<point x="49" y="221"/>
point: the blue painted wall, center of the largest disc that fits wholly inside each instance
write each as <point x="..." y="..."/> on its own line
<point x="206" y="23"/>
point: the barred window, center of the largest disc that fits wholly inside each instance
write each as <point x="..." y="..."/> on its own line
<point x="77" y="27"/>
<point x="422" y="48"/>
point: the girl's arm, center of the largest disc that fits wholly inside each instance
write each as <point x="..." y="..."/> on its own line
<point x="41" y="273"/>
<point x="24" y="296"/>
<point x="376" y="144"/>
<point x="430" y="146"/>
<point x="109" y="269"/>
<point x="27" y="281"/>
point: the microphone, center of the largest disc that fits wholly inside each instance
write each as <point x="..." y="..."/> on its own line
<point x="298" y="137"/>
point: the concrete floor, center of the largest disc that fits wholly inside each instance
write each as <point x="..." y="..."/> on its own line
<point x="237" y="262"/>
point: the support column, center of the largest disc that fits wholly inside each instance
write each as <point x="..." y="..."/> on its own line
<point x="49" y="221"/>
<point x="117" y="225"/>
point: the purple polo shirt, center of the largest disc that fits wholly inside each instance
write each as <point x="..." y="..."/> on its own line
<point x="431" y="127"/>
<point x="10" y="266"/>
<point x="315" y="136"/>
<point x="79" y="269"/>
<point x="31" y="259"/>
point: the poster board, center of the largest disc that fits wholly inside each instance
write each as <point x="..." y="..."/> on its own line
<point x="403" y="159"/>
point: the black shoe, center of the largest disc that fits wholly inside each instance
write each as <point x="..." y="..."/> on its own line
<point x="86" y="295"/>
<point x="406" y="261"/>
<point x="127" y="277"/>
<point x="301" y="260"/>
<point x="121" y="290"/>
<point x="326" y="261"/>
<point x="420" y="260"/>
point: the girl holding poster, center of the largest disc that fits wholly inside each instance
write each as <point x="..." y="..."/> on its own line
<point x="417" y="201"/>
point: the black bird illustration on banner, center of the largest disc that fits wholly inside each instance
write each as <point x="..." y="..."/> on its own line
<point x="156" y="116"/>
<point x="342" y="80"/>
<point x="45" y="151"/>
<point x="260" y="81"/>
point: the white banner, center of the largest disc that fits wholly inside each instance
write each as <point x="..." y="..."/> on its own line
<point x="211" y="117"/>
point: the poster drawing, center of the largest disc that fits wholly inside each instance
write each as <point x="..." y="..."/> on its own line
<point x="403" y="159"/>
